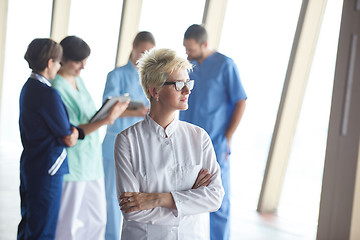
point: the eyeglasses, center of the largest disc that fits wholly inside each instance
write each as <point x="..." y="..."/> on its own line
<point x="180" y="85"/>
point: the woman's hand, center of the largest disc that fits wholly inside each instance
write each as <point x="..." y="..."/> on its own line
<point x="203" y="179"/>
<point x="70" y="140"/>
<point x="227" y="148"/>
<point x="135" y="201"/>
<point x="116" y="111"/>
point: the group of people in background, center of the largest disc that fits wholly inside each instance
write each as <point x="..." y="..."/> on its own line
<point x="155" y="176"/>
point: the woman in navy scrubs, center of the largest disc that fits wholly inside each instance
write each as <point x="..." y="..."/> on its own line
<point x="45" y="132"/>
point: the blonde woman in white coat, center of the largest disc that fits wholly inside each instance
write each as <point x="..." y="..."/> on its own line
<point x="166" y="170"/>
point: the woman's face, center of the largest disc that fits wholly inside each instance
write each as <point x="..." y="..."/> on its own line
<point x="172" y="99"/>
<point x="140" y="49"/>
<point x="73" y="68"/>
<point x="53" y="68"/>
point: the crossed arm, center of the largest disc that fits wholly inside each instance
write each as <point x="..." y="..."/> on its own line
<point x="157" y="207"/>
<point x="136" y="201"/>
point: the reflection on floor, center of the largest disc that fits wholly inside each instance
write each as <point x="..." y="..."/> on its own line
<point x="9" y="191"/>
<point x="246" y="224"/>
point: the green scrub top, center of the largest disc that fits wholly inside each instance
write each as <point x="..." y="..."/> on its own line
<point x="85" y="158"/>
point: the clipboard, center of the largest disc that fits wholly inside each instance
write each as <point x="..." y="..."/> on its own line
<point x="107" y="105"/>
<point x="133" y="105"/>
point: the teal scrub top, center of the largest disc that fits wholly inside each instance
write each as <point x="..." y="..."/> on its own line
<point x="85" y="158"/>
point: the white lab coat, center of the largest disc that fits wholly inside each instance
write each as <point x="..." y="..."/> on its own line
<point x="148" y="161"/>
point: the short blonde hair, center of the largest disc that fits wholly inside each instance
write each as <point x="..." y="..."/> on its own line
<point x="156" y="66"/>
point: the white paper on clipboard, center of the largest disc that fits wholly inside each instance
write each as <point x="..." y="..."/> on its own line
<point x="107" y="105"/>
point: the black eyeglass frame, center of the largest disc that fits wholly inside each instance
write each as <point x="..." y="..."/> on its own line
<point x="180" y="85"/>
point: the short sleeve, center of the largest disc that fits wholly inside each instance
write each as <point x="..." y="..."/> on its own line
<point x="113" y="84"/>
<point x="55" y="115"/>
<point x="234" y="86"/>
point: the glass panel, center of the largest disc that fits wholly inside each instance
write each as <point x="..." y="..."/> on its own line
<point x="98" y="24"/>
<point x="169" y="19"/>
<point x="26" y="20"/>
<point x="258" y="35"/>
<point x="302" y="186"/>
<point x="259" y="40"/>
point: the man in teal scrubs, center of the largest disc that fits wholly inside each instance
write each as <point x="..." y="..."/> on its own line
<point x="216" y="104"/>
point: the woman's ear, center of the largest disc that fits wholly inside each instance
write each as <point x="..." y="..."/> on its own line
<point x="49" y="63"/>
<point x="153" y="92"/>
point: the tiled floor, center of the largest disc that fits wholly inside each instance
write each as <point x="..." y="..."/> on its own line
<point x="246" y="224"/>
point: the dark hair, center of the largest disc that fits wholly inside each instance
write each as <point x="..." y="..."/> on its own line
<point x="75" y="49"/>
<point x="40" y="51"/>
<point x="143" y="36"/>
<point x="196" y="32"/>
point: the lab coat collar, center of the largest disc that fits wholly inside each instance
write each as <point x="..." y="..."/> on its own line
<point x="170" y="129"/>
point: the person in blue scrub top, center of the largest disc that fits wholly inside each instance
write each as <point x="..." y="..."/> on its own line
<point x="119" y="81"/>
<point x="216" y="104"/>
<point x="45" y="131"/>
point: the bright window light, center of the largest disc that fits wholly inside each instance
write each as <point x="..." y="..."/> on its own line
<point x="303" y="180"/>
<point x="26" y="20"/>
<point x="98" y="25"/>
<point x="169" y="19"/>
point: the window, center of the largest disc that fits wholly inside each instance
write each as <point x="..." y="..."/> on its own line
<point x="302" y="185"/>
<point x="169" y="19"/>
<point x="26" y="20"/>
<point x="260" y="41"/>
<point x="258" y="36"/>
<point x="98" y="25"/>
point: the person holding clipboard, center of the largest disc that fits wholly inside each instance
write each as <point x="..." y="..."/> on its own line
<point x="120" y="81"/>
<point x="83" y="205"/>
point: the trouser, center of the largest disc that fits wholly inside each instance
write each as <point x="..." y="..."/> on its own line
<point x="113" y="212"/>
<point x="82" y="211"/>
<point x="40" y="202"/>
<point x="220" y="220"/>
